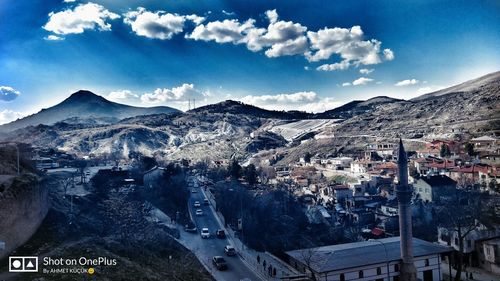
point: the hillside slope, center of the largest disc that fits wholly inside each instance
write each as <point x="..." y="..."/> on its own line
<point x="85" y="105"/>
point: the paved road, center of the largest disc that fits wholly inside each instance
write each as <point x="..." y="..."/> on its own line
<point x="207" y="248"/>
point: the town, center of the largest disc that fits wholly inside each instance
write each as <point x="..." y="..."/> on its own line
<point x="338" y="198"/>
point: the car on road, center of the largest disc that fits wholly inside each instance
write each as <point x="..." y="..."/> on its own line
<point x="220" y="233"/>
<point x="197" y="204"/>
<point x="190" y="227"/>
<point x="206" y="202"/>
<point x="219" y="262"/>
<point x="205" y="233"/>
<point x="229" y="250"/>
<point x="194" y="191"/>
<point x="199" y="212"/>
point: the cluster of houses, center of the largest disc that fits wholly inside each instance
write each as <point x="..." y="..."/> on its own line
<point x="359" y="192"/>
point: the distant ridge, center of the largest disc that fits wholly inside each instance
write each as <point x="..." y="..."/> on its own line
<point x="237" y="107"/>
<point x="84" y="104"/>
<point x="467" y="86"/>
<point x="356" y="107"/>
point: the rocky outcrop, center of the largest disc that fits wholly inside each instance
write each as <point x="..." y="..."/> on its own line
<point x="23" y="206"/>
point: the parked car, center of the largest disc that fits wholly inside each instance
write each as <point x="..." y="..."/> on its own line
<point x="219" y="262"/>
<point x="229" y="250"/>
<point x="206" y="202"/>
<point x="220" y="233"/>
<point x="205" y="233"/>
<point x="199" y="212"/>
<point x="197" y="204"/>
<point x="194" y="191"/>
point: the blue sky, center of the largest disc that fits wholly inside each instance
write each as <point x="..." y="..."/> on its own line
<point x="309" y="56"/>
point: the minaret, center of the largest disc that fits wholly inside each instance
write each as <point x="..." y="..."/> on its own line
<point x="404" y="192"/>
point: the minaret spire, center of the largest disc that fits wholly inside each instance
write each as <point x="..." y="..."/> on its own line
<point x="404" y="193"/>
<point x="402" y="165"/>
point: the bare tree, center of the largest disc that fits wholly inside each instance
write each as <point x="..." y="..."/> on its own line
<point x="460" y="215"/>
<point x="310" y="257"/>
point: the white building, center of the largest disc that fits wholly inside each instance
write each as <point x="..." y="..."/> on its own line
<point x="377" y="260"/>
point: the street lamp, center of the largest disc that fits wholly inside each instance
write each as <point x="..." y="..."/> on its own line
<point x="386" y="256"/>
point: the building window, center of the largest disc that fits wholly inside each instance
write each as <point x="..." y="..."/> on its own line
<point x="426" y="262"/>
<point x="456" y="241"/>
<point x="395" y="278"/>
<point x="361" y="274"/>
<point x="396" y="268"/>
<point x="379" y="270"/>
<point x="469" y="244"/>
<point x="342" y="277"/>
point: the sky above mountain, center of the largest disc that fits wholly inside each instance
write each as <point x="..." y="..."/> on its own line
<point x="305" y="55"/>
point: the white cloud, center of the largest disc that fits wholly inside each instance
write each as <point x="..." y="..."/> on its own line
<point x="306" y="68"/>
<point x="347" y="43"/>
<point x="53" y="38"/>
<point x="343" y="65"/>
<point x="83" y="17"/>
<point x="407" y="82"/>
<point x="8" y="115"/>
<point x="195" y="18"/>
<point x="159" y="24"/>
<point x="346" y="84"/>
<point x="299" y="97"/>
<point x="8" y="93"/>
<point x="321" y="105"/>
<point x="429" y="89"/>
<point x="284" y="38"/>
<point x="69" y="1"/>
<point x="227" y="31"/>
<point x="388" y="54"/>
<point x="185" y="91"/>
<point x="122" y="95"/>
<point x="366" y="71"/>
<point x="361" y="81"/>
<point x="303" y="101"/>
<point x="280" y="38"/>
<point x="228" y="13"/>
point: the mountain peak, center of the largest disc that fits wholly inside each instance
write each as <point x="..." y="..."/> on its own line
<point x="85" y="96"/>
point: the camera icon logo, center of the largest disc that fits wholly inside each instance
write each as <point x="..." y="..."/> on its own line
<point x="23" y="264"/>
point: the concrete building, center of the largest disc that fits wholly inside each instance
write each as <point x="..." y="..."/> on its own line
<point x="432" y="188"/>
<point x="490" y="258"/>
<point x="377" y="260"/>
<point x="341" y="192"/>
<point x="484" y="142"/>
<point x="472" y="249"/>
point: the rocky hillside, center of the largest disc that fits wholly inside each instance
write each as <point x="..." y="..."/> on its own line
<point x="85" y="106"/>
<point x="190" y="135"/>
<point x="236" y="107"/>
<point x="223" y="130"/>
<point x="474" y="108"/>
